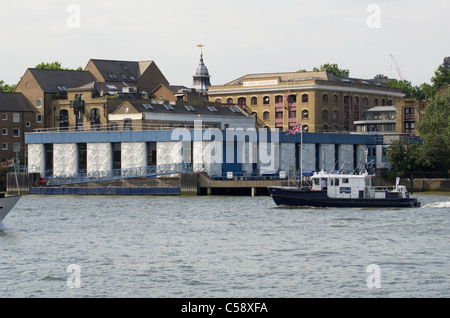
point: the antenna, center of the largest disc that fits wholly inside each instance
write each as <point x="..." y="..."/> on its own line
<point x="396" y="65"/>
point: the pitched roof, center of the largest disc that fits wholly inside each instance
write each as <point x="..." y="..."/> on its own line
<point x="120" y="71"/>
<point x="49" y="80"/>
<point x="212" y="110"/>
<point x="14" y="102"/>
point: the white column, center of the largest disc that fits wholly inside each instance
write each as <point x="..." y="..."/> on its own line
<point x="287" y="157"/>
<point x="169" y="152"/>
<point x="65" y="159"/>
<point x="327" y="158"/>
<point x="309" y="157"/>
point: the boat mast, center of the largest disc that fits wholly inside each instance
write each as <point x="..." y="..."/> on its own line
<point x="301" y="153"/>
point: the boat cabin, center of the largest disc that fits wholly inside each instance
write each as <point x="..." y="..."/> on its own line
<point x="339" y="185"/>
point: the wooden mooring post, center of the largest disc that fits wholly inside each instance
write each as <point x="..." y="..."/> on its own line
<point x="188" y="183"/>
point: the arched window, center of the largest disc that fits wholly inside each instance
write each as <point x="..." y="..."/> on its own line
<point x="335" y="99"/>
<point x="375" y="102"/>
<point x="325" y="114"/>
<point x="229" y="100"/>
<point x="254" y="101"/>
<point x="266" y="116"/>
<point x="63" y="118"/>
<point x="383" y="102"/>
<point x="266" y="100"/>
<point x="325" y="99"/>
<point x="325" y="128"/>
<point x="305" y="114"/>
<point x="218" y="100"/>
<point x="278" y="99"/>
<point x="305" y="98"/>
<point x="242" y="101"/>
<point x="305" y="128"/>
<point x="365" y="101"/>
<point x="292" y="99"/>
<point x="335" y="115"/>
<point x="38" y="102"/>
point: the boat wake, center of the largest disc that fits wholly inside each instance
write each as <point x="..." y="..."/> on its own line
<point x="439" y="205"/>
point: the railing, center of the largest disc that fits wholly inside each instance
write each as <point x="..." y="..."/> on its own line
<point x="149" y="171"/>
<point x="121" y="127"/>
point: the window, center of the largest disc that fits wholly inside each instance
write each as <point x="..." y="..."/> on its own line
<point x="112" y="76"/>
<point x="4" y="116"/>
<point x="279" y="115"/>
<point x="16" y="118"/>
<point x="278" y="99"/>
<point x="212" y="108"/>
<point x="335" y="99"/>
<point x="61" y="88"/>
<point x="292" y="99"/>
<point x="305" y="98"/>
<point x="132" y="77"/>
<point x="254" y="101"/>
<point x="28" y="124"/>
<point x="230" y="100"/>
<point x="189" y="108"/>
<point x="16" y="147"/>
<point x="292" y="114"/>
<point x="325" y="114"/>
<point x="375" y="102"/>
<point x="266" y="116"/>
<point x="234" y="110"/>
<point x="112" y="87"/>
<point x="242" y="101"/>
<point x="218" y="100"/>
<point x="335" y="115"/>
<point x="266" y="100"/>
<point x="168" y="106"/>
<point x="38" y="102"/>
<point x="148" y="106"/>
<point x="39" y="118"/>
<point x="16" y="132"/>
<point x="365" y="101"/>
<point x="125" y="68"/>
<point x="4" y="131"/>
<point x="124" y="77"/>
<point x="305" y="114"/>
<point x="4" y="146"/>
<point x="325" y="99"/>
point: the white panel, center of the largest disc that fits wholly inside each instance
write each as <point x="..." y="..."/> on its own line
<point x="65" y="159"/>
<point x="169" y="152"/>
<point x="361" y="157"/>
<point x="287" y="157"/>
<point x="309" y="157"/>
<point x="346" y="158"/>
<point x="327" y="161"/>
<point x="36" y="158"/>
<point x="269" y="157"/>
<point x="99" y="157"/>
<point x="133" y="155"/>
<point x="251" y="156"/>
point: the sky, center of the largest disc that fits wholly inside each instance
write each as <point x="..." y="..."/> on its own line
<point x="240" y="36"/>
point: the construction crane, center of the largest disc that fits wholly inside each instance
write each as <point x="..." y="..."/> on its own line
<point x="397" y="67"/>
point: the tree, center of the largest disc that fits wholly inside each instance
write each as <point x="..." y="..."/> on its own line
<point x="54" y="66"/>
<point x="333" y="69"/>
<point x="405" y="158"/>
<point x="441" y="78"/>
<point x="434" y="129"/>
<point x="7" y="87"/>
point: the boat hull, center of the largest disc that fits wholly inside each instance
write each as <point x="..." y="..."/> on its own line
<point x="300" y="197"/>
<point x="6" y="205"/>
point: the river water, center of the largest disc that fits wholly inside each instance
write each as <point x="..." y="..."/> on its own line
<point x="221" y="246"/>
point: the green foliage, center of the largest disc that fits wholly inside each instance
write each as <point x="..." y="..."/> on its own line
<point x="405" y="157"/>
<point x="333" y="69"/>
<point x="6" y="87"/>
<point x="424" y="91"/>
<point x="55" y="66"/>
<point x="434" y="129"/>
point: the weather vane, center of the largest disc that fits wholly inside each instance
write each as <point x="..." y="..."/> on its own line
<point x="201" y="46"/>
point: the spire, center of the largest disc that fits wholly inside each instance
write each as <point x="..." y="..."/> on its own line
<point x="201" y="78"/>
